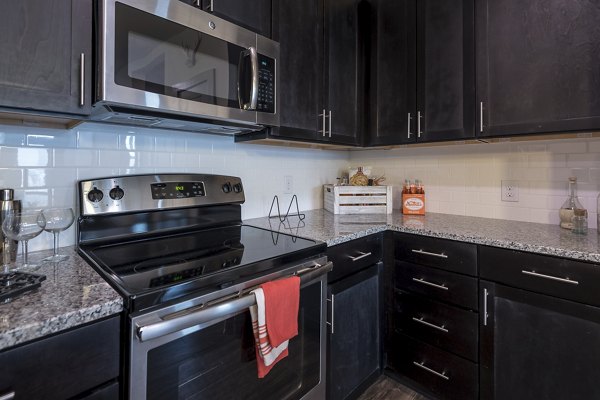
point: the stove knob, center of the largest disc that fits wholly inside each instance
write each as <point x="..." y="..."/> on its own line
<point x="95" y="195"/>
<point x="227" y="187"/>
<point x="116" y="193"/>
<point x="237" y="187"/>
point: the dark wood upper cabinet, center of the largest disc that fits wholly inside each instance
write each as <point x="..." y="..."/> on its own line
<point x="46" y="55"/>
<point x="300" y="35"/>
<point x="393" y="73"/>
<point x="538" y="66"/>
<point x="321" y="70"/>
<point x="422" y="80"/>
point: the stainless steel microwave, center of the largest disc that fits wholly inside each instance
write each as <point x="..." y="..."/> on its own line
<point x="166" y="64"/>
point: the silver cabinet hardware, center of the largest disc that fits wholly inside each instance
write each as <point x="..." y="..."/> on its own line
<point x="422" y="365"/>
<point x="332" y="323"/>
<point x="554" y="278"/>
<point x="485" y="310"/>
<point x="197" y="3"/>
<point x="481" y="116"/>
<point x="429" y="324"/>
<point x="81" y="81"/>
<point x="408" y="132"/>
<point x="8" y="396"/>
<point x="427" y="253"/>
<point x="419" y="116"/>
<point x="435" y="285"/>
<point x="330" y="123"/>
<point x="362" y="255"/>
<point x="324" y="116"/>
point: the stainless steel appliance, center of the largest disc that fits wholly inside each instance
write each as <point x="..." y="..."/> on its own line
<point x="174" y="246"/>
<point x="165" y="64"/>
<point x="8" y="204"/>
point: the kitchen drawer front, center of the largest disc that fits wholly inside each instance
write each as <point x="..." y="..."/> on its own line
<point x="451" y="328"/>
<point x="440" y="253"/>
<point x="568" y="279"/>
<point x="444" y="374"/>
<point x="63" y="365"/>
<point x="437" y="284"/>
<point x="352" y="256"/>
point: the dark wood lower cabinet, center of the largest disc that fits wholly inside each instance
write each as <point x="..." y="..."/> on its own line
<point x="354" y="345"/>
<point x="82" y="363"/>
<point x="535" y="346"/>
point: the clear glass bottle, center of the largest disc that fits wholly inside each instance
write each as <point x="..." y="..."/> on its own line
<point x="567" y="211"/>
<point x="580" y="221"/>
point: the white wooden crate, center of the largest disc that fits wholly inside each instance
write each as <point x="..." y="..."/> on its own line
<point x="357" y="199"/>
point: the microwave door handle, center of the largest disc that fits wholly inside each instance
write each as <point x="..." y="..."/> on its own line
<point x="251" y="105"/>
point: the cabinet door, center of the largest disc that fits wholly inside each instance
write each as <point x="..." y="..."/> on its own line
<point x="345" y="69"/>
<point x="538" y="66"/>
<point x="300" y="34"/>
<point x="254" y="15"/>
<point x="537" y="347"/>
<point x="354" y="338"/>
<point x="393" y="74"/>
<point x="45" y="55"/>
<point x="446" y="69"/>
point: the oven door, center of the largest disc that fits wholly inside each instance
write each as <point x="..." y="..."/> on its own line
<point x="216" y="359"/>
<point x="164" y="55"/>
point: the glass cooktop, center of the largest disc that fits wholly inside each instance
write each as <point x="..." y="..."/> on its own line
<point x="209" y="257"/>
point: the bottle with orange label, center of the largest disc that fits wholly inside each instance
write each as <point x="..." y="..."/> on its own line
<point x="413" y="198"/>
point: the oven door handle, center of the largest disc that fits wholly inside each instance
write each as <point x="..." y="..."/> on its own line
<point x="218" y="310"/>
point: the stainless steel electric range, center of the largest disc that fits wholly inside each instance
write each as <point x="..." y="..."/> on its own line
<point x="175" y="248"/>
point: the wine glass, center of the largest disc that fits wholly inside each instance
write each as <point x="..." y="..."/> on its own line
<point x="23" y="226"/>
<point x="57" y="220"/>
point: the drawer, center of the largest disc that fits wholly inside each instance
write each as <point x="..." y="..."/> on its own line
<point x="451" y="328"/>
<point x="559" y="277"/>
<point x="440" y="253"/>
<point x="437" y="284"/>
<point x="64" y="365"/>
<point x="353" y="256"/>
<point x="444" y="374"/>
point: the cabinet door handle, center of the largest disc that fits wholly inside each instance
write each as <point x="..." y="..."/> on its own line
<point x="422" y="365"/>
<point x="7" y="396"/>
<point x="81" y="82"/>
<point x="481" y="116"/>
<point x="323" y="122"/>
<point x="435" y="285"/>
<point x="332" y="323"/>
<point x="211" y="5"/>
<point x="330" y="119"/>
<point x="554" y="278"/>
<point x="421" y="251"/>
<point x="362" y="255"/>
<point x="485" y="307"/>
<point x="408" y="132"/>
<point x="429" y="324"/>
<point x="419" y="116"/>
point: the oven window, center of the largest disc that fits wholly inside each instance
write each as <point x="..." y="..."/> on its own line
<point x="219" y="362"/>
<point x="159" y="56"/>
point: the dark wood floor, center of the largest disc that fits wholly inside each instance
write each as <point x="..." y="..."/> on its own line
<point x="388" y="389"/>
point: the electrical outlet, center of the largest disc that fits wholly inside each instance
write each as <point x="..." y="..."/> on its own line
<point x="288" y="184"/>
<point x="510" y="191"/>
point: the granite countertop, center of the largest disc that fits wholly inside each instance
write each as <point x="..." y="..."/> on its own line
<point x="525" y="236"/>
<point x="72" y="294"/>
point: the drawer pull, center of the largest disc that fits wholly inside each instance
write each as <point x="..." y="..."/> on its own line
<point x="429" y="324"/>
<point x="361" y="256"/>
<point x="427" y="253"/>
<point x="554" y="278"/>
<point x="435" y="285"/>
<point x="441" y="375"/>
<point x="7" y="396"/>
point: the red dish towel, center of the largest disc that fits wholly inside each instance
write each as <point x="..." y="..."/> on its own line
<point x="274" y="321"/>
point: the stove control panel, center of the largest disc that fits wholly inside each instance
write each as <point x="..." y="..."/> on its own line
<point x="132" y="193"/>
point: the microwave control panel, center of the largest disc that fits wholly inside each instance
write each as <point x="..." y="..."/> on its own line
<point x="266" y="84"/>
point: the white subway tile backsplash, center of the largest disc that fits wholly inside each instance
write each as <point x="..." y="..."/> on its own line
<point x="75" y="158"/>
<point x="11" y="157"/>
